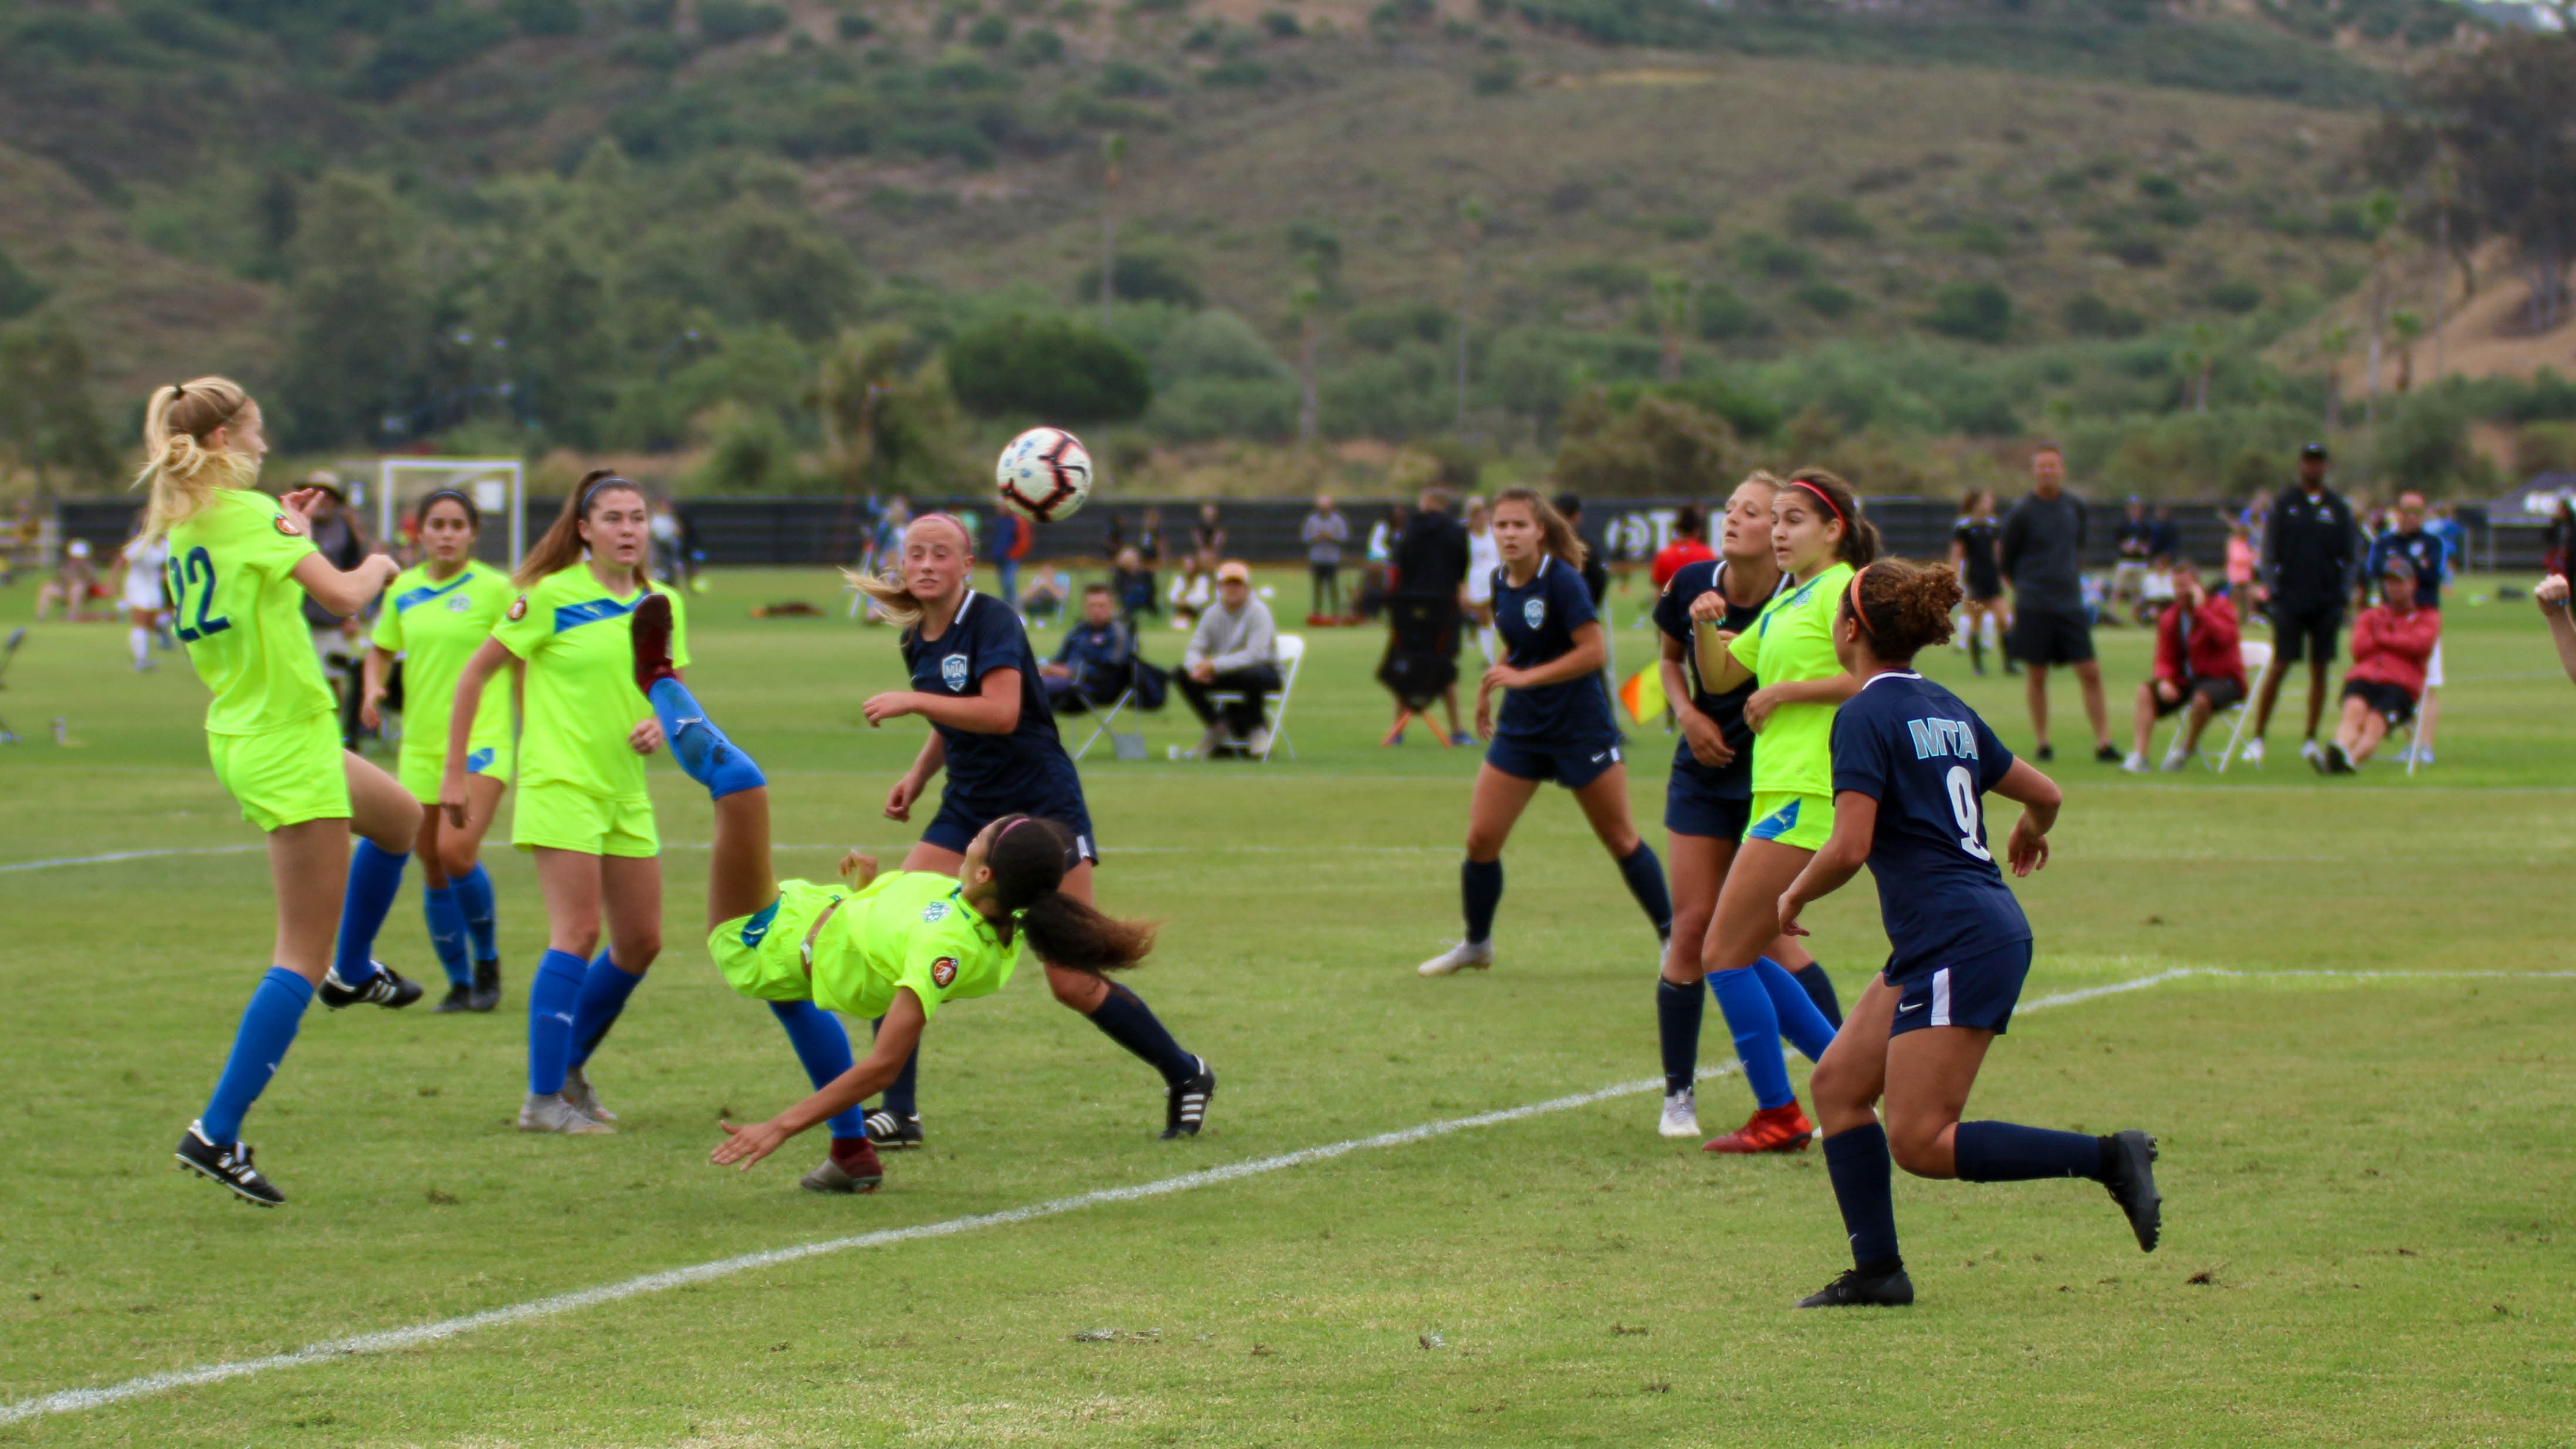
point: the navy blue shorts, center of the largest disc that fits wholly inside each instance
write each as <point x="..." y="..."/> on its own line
<point x="1691" y="807"/>
<point x="960" y="821"/>
<point x="1573" y="768"/>
<point x="1975" y="991"/>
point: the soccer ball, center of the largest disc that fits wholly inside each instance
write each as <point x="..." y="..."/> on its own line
<point x="1044" y="475"/>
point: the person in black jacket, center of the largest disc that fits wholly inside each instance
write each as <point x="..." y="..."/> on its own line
<point x="1430" y="562"/>
<point x="2311" y="559"/>
<point x="1596" y="574"/>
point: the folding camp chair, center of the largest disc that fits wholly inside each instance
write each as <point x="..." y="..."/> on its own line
<point x="2257" y="659"/>
<point x="1291" y="652"/>
<point x="1421" y="662"/>
<point x="8" y="653"/>
<point x="1144" y="690"/>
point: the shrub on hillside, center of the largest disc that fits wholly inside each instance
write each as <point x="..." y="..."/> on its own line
<point x="1146" y="275"/>
<point x="723" y="22"/>
<point x="1050" y="368"/>
<point x="1974" y="311"/>
<point x="1660" y="447"/>
<point x="1390" y="324"/>
<point x="1813" y="213"/>
<point x="2088" y="315"/>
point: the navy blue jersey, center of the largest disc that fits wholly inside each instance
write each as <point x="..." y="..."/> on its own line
<point x="1672" y="615"/>
<point x="1927" y="759"/>
<point x="998" y="773"/>
<point x="2424" y="549"/>
<point x="1537" y="621"/>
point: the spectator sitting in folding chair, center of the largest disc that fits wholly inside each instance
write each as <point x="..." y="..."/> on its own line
<point x="2198" y="668"/>
<point x="2392" y="646"/>
<point x="1090" y="668"/>
<point x="1233" y="651"/>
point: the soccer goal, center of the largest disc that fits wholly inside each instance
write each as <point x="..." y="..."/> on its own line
<point x="498" y="486"/>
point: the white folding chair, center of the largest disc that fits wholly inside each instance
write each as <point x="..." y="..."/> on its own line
<point x="1119" y="745"/>
<point x="2256" y="658"/>
<point x="1290" y="652"/>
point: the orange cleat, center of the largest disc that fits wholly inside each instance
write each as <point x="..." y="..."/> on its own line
<point x="1774" y="1129"/>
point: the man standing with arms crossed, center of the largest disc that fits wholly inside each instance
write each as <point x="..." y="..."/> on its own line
<point x="2311" y="565"/>
<point x="2041" y="541"/>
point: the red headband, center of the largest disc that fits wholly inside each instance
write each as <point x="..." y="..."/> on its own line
<point x="1829" y="500"/>
<point x="1859" y="612"/>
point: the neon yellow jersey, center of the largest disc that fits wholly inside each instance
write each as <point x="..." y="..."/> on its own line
<point x="436" y="627"/>
<point x="909" y="928"/>
<point x="235" y="603"/>
<point x="581" y="701"/>
<point x="1794" y="640"/>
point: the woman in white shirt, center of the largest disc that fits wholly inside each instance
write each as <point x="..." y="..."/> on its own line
<point x="1483" y="559"/>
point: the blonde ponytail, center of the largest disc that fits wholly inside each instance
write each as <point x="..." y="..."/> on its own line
<point x="886" y="590"/>
<point x="182" y="472"/>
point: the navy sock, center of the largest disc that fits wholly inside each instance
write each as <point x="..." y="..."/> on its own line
<point x="375" y="876"/>
<point x="2010" y="1152"/>
<point x="604" y="990"/>
<point x="551" y="1000"/>
<point x="1858" y="1163"/>
<point x="447" y="932"/>
<point x="901" y="1095"/>
<point x="1756" y="1027"/>
<point x="1677" y="1017"/>
<point x="1645" y="876"/>
<point x="824" y="1048"/>
<point x="1481" y="882"/>
<point x="267" y="1029"/>
<point x="702" y="749"/>
<point x="1124" y="1018"/>
<point x="1820" y="990"/>
<point x="1804" y="1026"/>
<point x="474" y="897"/>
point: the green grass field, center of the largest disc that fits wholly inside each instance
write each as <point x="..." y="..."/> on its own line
<point x="2367" y="1178"/>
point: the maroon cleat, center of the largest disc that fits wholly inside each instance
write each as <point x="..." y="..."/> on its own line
<point x="852" y="1167"/>
<point x="651" y="627"/>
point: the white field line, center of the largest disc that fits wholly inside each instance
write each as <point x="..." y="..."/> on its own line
<point x="70" y="1401"/>
<point x="1222" y="847"/>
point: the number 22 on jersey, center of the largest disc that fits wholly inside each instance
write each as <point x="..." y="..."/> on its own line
<point x="197" y="570"/>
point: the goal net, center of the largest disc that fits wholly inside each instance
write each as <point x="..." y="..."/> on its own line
<point x="498" y="487"/>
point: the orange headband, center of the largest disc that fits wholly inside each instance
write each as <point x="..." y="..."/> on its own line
<point x="1859" y="612"/>
<point x="1827" y="497"/>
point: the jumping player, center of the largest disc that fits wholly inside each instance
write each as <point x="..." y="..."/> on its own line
<point x="440" y="612"/>
<point x="1818" y="537"/>
<point x="583" y="809"/>
<point x="1556" y="724"/>
<point x="1910" y="763"/>
<point x="1708" y="800"/>
<point x="975" y="679"/>
<point x="239" y="567"/>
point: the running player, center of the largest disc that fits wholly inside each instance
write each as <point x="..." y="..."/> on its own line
<point x="145" y="603"/>
<point x="1556" y="724"/>
<point x="1973" y="557"/>
<point x="239" y="566"/>
<point x="1818" y="537"/>
<point x="1708" y="800"/>
<point x="1910" y="763"/>
<point x="582" y="809"/>
<point x="975" y="679"/>
<point x="441" y="611"/>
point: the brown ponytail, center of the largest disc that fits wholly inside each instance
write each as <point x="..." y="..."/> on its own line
<point x="1029" y="859"/>
<point x="1902" y="608"/>
<point x="1555" y="534"/>
<point x="1860" y="536"/>
<point x="561" y="547"/>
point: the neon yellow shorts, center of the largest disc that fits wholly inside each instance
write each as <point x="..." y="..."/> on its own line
<point x="762" y="955"/>
<point x="567" y="817"/>
<point x="419" y="771"/>
<point x="284" y="776"/>
<point x="1792" y="818"/>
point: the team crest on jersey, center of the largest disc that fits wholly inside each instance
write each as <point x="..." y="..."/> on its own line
<point x="952" y="671"/>
<point x="934" y="913"/>
<point x="518" y="608"/>
<point x="459" y="604"/>
<point x="288" y="526"/>
<point x="943" y="971"/>
<point x="1534" y="612"/>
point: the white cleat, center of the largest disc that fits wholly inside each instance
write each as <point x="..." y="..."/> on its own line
<point x="2135" y="764"/>
<point x="2313" y="753"/>
<point x="1466" y="954"/>
<point x="585" y="1101"/>
<point x="554" y="1114"/>
<point x="1681" y="1115"/>
<point x="2252" y="754"/>
<point x="2176" y="760"/>
<point x="1258" y="743"/>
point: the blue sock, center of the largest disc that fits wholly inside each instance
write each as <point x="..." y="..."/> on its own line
<point x="2010" y="1152"/>
<point x="474" y="897"/>
<point x="1804" y="1026"/>
<point x="267" y="1029"/>
<point x="604" y="990"/>
<point x="1481" y="883"/>
<point x="1677" y="1016"/>
<point x="1645" y="877"/>
<point x="1757" y="1035"/>
<point x="1857" y="1161"/>
<point x="551" y="1000"/>
<point x="375" y="876"/>
<point x="899" y="1095"/>
<point x="447" y="932"/>
<point x="702" y="749"/>
<point x="1820" y="990"/>
<point x="825" y="1050"/>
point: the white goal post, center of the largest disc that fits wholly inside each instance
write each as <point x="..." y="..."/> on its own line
<point x="497" y="485"/>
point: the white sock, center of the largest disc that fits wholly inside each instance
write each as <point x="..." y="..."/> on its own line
<point x="139" y="639"/>
<point x="1485" y="644"/>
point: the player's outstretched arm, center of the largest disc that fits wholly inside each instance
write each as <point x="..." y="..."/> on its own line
<point x="2039" y="798"/>
<point x="896" y="1037"/>
<point x="345" y="591"/>
<point x="1832" y="867"/>
<point x="994" y="709"/>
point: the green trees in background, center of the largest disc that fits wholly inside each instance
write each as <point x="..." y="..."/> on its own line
<point x="47" y="426"/>
<point x="2488" y="138"/>
<point x="1048" y="367"/>
<point x="353" y="316"/>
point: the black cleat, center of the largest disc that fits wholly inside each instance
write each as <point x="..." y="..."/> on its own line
<point x="1187" y="1106"/>
<point x="227" y="1165"/>
<point x="1856" y="1289"/>
<point x="487" y="986"/>
<point x="387" y="988"/>
<point x="650" y="628"/>
<point x="2107" y="755"/>
<point x="2046" y="753"/>
<point x="2132" y="1182"/>
<point x="458" y="998"/>
<point x="892" y="1133"/>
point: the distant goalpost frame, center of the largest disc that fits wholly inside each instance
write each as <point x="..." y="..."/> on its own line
<point x="495" y="485"/>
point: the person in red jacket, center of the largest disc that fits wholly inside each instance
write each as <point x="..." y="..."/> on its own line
<point x="2197" y="668"/>
<point x="2391" y="646"/>
<point x="1689" y="545"/>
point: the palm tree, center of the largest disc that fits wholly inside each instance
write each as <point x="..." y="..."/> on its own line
<point x="1113" y="151"/>
<point x="1670" y="300"/>
<point x="2332" y="344"/>
<point x="2406" y="327"/>
<point x="1472" y="212"/>
<point x="1305" y="301"/>
<point x="2379" y="216"/>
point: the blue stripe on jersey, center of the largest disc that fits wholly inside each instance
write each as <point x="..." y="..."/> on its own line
<point x="573" y="616"/>
<point x="425" y="593"/>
